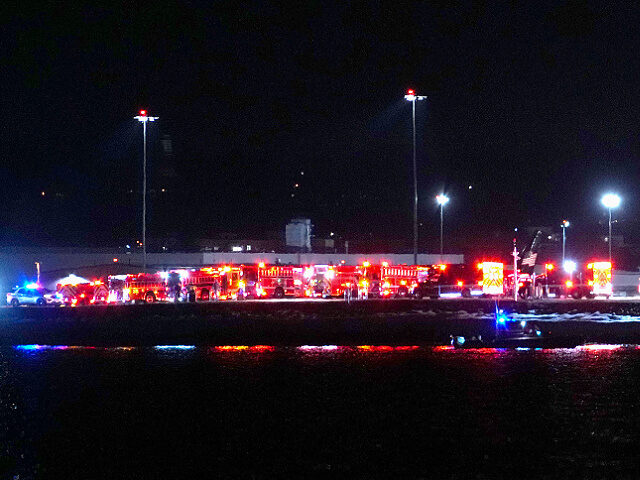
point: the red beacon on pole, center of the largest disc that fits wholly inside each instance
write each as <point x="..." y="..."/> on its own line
<point x="143" y="112"/>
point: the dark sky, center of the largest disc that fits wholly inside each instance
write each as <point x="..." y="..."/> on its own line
<point x="535" y="106"/>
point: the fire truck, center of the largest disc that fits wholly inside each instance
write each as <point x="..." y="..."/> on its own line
<point x="225" y="281"/>
<point x="85" y="293"/>
<point x="437" y="281"/>
<point x="274" y="281"/>
<point x="334" y="280"/>
<point x="197" y="285"/>
<point x="390" y="280"/>
<point x="143" y="287"/>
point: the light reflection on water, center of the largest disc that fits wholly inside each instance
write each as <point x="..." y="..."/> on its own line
<point x="358" y="408"/>
<point x="332" y="349"/>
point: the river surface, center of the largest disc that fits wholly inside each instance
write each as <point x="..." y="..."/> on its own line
<point x="318" y="412"/>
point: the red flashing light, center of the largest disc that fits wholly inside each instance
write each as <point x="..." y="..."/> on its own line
<point x="143" y="112"/>
<point x="411" y="92"/>
<point x="549" y="266"/>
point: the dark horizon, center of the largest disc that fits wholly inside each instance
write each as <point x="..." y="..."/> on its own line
<point x="534" y="107"/>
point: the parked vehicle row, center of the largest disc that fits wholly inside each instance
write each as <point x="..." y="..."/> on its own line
<point x="238" y="282"/>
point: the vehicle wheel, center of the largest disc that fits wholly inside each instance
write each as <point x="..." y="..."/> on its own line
<point x="576" y="294"/>
<point x="402" y="292"/>
<point x="41" y="302"/>
<point x="466" y="293"/>
<point x="15" y="302"/>
<point x="278" y="293"/>
<point x="149" y="297"/>
<point x="204" y="295"/>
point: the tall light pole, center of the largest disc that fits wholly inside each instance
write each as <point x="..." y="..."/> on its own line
<point x="412" y="97"/>
<point x="442" y="200"/>
<point x="610" y="200"/>
<point x="144" y="118"/>
<point x="565" y="224"/>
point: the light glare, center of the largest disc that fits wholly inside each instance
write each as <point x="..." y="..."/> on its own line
<point x="611" y="200"/>
<point x="442" y="199"/>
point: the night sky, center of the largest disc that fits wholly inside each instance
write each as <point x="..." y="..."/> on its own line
<point x="535" y="107"/>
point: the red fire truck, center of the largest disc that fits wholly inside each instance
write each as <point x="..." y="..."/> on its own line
<point x="89" y="293"/>
<point x="198" y="285"/>
<point x="143" y="287"/>
<point x="390" y="280"/>
<point x="330" y="281"/>
<point x="274" y="281"/>
<point x="223" y="282"/>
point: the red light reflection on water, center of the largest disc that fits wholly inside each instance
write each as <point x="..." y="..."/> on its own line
<point x="598" y="348"/>
<point x="231" y="348"/>
<point x="441" y="348"/>
<point x="386" y="348"/>
<point x="240" y="348"/>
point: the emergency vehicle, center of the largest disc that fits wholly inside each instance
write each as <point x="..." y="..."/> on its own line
<point x="225" y="281"/>
<point x="89" y="293"/>
<point x="275" y="281"/>
<point x="141" y="287"/>
<point x="450" y="281"/>
<point x="390" y="280"/>
<point x="198" y="285"/>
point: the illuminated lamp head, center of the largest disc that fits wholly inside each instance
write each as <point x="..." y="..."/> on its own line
<point x="569" y="266"/>
<point x="261" y="265"/>
<point x="143" y="112"/>
<point x="480" y="266"/>
<point x="366" y="264"/>
<point x="549" y="266"/>
<point x="611" y="200"/>
<point x="385" y="264"/>
<point x="32" y="285"/>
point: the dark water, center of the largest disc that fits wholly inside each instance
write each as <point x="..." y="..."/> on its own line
<point x="319" y="412"/>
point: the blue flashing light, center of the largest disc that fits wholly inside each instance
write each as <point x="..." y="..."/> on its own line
<point x="32" y="286"/>
<point x="538" y="332"/>
<point x="523" y="324"/>
<point x="460" y="340"/>
<point x="30" y="347"/>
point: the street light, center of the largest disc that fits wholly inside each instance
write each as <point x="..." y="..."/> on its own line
<point x="412" y="97"/>
<point x="565" y="224"/>
<point x="144" y="118"/>
<point x="442" y="200"/>
<point x="569" y="267"/>
<point x="610" y="200"/>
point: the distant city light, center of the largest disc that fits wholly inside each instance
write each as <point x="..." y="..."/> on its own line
<point x="565" y="223"/>
<point x="611" y="200"/>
